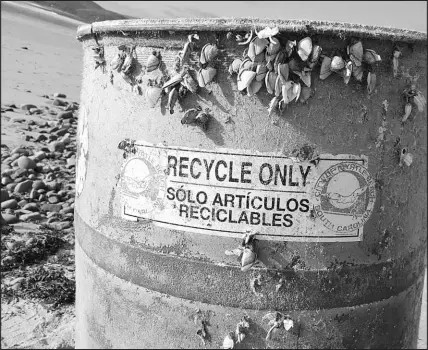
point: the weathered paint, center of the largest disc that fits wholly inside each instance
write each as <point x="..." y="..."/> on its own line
<point x="82" y="150"/>
<point x="139" y="285"/>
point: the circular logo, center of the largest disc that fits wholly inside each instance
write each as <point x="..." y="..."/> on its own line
<point x="142" y="184"/>
<point x="344" y="197"/>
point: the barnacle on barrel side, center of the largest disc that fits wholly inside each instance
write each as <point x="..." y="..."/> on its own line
<point x="208" y="53"/>
<point x="304" y="48"/>
<point x="355" y="52"/>
<point x="206" y="76"/>
<point x="245" y="77"/>
<point x="189" y="82"/>
<point x="153" y="61"/>
<point x="189" y="116"/>
<point x="256" y="48"/>
<point x="254" y="87"/>
<point x="241" y="41"/>
<point x="188" y="47"/>
<point x="128" y="63"/>
<point x="371" y="82"/>
<point x="153" y="94"/>
<point x="172" y="99"/>
<point x="407" y="112"/>
<point x="273" y="104"/>
<point x="314" y="57"/>
<point x="371" y="57"/>
<point x="234" y="66"/>
<point x="395" y="55"/>
<point x="261" y="71"/>
<point x="270" y="80"/>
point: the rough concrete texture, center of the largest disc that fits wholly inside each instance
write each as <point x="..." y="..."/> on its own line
<point x="138" y="284"/>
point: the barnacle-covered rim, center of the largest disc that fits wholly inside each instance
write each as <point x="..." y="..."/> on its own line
<point x="246" y="24"/>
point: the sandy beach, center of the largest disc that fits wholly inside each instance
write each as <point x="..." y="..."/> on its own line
<point x="40" y="57"/>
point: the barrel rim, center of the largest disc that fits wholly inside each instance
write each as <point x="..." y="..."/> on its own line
<point x="246" y="24"/>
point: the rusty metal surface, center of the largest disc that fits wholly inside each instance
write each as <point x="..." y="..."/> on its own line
<point x="116" y="313"/>
<point x="191" y="268"/>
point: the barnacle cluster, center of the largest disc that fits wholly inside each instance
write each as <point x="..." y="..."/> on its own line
<point x="285" y="66"/>
<point x="412" y="96"/>
<point x="247" y="251"/>
<point x="278" y="320"/>
<point x="239" y="335"/>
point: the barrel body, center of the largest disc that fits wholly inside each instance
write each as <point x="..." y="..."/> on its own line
<point x="143" y="285"/>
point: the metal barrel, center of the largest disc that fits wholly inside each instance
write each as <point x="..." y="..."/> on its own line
<point x="210" y="223"/>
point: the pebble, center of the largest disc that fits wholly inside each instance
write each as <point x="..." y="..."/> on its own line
<point x="58" y="102"/>
<point x="22" y="203"/>
<point x="65" y="115"/>
<point x="59" y="225"/>
<point x="69" y="216"/>
<point x="24" y="186"/>
<point x="4" y="195"/>
<point x="59" y="94"/>
<point x="16" y="280"/>
<point x="71" y="107"/>
<point x="31" y="241"/>
<point x="11" y="204"/>
<point x="71" y="162"/>
<point x="40" y="137"/>
<point x="67" y="210"/>
<point x="14" y="157"/>
<point x="38" y="156"/>
<point x="52" y="186"/>
<point x="20" y="150"/>
<point x="66" y="139"/>
<point x="39" y="185"/>
<point x="54" y="208"/>
<point x="32" y="177"/>
<point x="34" y="194"/>
<point x="51" y="176"/>
<point x="53" y="199"/>
<point x="56" y="146"/>
<point x="35" y="111"/>
<point x="27" y="107"/>
<point x="42" y="197"/>
<point x="11" y="186"/>
<point x="8" y="172"/>
<point x="62" y="193"/>
<point x="26" y="163"/>
<point x="62" y="132"/>
<point x="31" y="207"/>
<point x="30" y="217"/>
<point x="20" y="173"/>
<point x="5" y="180"/>
<point x="10" y="218"/>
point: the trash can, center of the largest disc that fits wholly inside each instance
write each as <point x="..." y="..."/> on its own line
<point x="247" y="183"/>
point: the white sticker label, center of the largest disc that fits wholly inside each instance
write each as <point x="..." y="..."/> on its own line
<point x="229" y="192"/>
